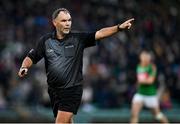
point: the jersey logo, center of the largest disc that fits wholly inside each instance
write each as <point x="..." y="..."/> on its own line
<point x="69" y="46"/>
<point x="50" y="50"/>
<point x="31" y="50"/>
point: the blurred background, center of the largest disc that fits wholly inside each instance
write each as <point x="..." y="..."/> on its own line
<point x="109" y="68"/>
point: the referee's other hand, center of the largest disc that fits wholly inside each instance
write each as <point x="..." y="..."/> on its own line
<point x="22" y="72"/>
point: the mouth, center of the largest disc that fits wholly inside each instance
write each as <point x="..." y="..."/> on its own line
<point x="66" y="28"/>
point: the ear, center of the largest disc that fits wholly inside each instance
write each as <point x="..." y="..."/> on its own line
<point x="54" y="22"/>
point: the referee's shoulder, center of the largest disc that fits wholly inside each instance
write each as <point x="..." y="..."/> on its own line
<point x="75" y="32"/>
<point x="47" y="36"/>
<point x="79" y="33"/>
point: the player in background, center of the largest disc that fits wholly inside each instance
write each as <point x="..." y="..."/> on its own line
<point x="146" y="92"/>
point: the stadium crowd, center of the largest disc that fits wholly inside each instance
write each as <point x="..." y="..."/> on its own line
<point x="110" y="67"/>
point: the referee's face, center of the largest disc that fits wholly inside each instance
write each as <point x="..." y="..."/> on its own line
<point x="63" y="22"/>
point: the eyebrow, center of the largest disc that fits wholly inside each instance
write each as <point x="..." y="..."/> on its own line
<point x="66" y="19"/>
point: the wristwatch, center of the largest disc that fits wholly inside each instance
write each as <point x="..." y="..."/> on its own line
<point x="118" y="27"/>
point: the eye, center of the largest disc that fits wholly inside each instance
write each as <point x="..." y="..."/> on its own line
<point x="63" y="20"/>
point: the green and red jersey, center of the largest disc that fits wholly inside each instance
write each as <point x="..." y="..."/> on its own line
<point x="145" y="72"/>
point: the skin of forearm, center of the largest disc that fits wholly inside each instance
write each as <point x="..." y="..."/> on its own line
<point x="149" y="80"/>
<point x="27" y="62"/>
<point x="106" y="32"/>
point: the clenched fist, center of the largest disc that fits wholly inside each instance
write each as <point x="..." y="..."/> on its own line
<point x="22" y="71"/>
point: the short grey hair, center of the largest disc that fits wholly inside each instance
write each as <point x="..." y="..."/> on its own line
<point x="57" y="11"/>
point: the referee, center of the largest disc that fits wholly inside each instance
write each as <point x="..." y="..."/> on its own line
<point x="62" y="51"/>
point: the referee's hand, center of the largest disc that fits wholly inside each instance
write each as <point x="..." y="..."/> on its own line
<point x="22" y="71"/>
<point x="127" y="24"/>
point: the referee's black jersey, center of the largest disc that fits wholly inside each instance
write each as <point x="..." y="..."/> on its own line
<point x="63" y="58"/>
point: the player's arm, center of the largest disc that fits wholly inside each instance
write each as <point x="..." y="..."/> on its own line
<point x="151" y="78"/>
<point x="108" y="31"/>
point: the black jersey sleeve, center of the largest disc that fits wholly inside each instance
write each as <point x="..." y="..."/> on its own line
<point x="37" y="53"/>
<point x="88" y="39"/>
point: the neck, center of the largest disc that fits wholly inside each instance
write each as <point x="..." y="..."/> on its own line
<point x="144" y="64"/>
<point x="60" y="35"/>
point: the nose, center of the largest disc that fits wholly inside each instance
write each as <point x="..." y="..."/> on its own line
<point x="68" y="23"/>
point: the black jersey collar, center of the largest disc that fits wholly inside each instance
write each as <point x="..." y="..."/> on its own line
<point x="54" y="36"/>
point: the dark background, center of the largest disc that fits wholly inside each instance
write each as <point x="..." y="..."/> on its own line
<point x="109" y="68"/>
